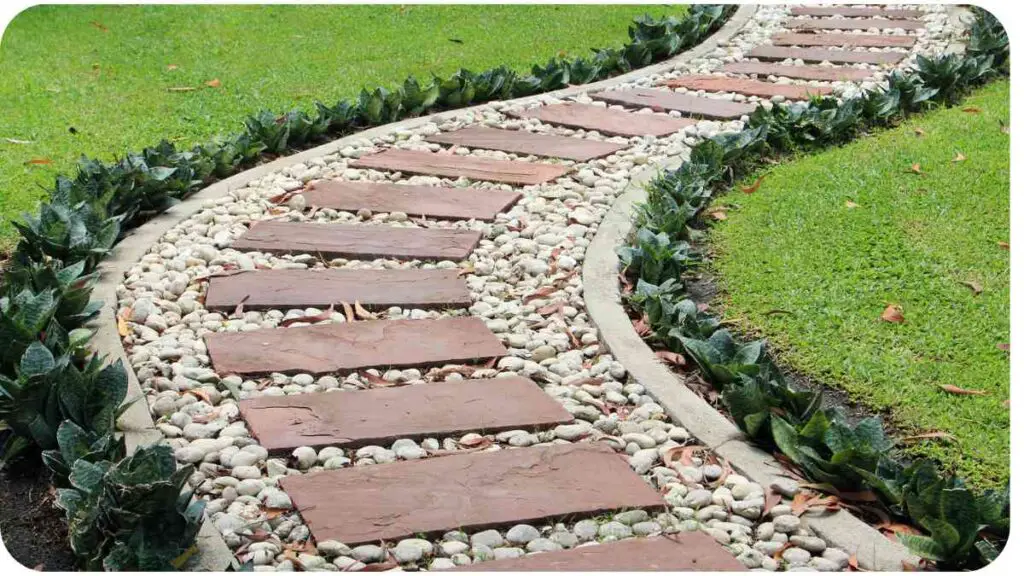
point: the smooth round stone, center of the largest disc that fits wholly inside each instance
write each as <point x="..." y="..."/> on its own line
<point x="441" y="564"/>
<point x="368" y="553"/>
<point x="719" y="535"/>
<point x="250" y="487"/>
<point x="572" y="432"/>
<point x="332" y="548"/>
<point x="786" y="523"/>
<point x="482" y="553"/>
<point x="488" y="538"/>
<point x="824" y="565"/>
<point x="697" y="498"/>
<point x="406" y="553"/>
<point x="585" y="530"/>
<point x="646" y="528"/>
<point x="456" y="536"/>
<point x="631" y="517"/>
<point x="522" y="534"/>
<point x="542" y="545"/>
<point x="346" y="564"/>
<point x="304" y="456"/>
<point x="796" y="556"/>
<point x="836" y="555"/>
<point x="616" y="530"/>
<point x="810" y="543"/>
<point x="564" y="539"/>
<point x="764" y="532"/>
<point x="507" y="552"/>
<point x="454" y="547"/>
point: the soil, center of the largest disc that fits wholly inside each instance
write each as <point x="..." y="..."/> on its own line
<point x="32" y="528"/>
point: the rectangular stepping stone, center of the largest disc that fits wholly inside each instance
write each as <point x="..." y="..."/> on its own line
<point x="283" y="289"/>
<point x="383" y="415"/>
<point x="605" y="120"/>
<point x="355" y="241"/>
<point x="681" y="552"/>
<point x="830" y="74"/>
<point x="840" y="40"/>
<point x="524" y="142"/>
<point x="443" y="202"/>
<point x="747" y="87"/>
<point x="685" y="103"/>
<point x="854" y="12"/>
<point x="467" y="492"/>
<point x="851" y="24"/>
<point x="452" y="166"/>
<point x="825" y="54"/>
<point x="331" y="348"/>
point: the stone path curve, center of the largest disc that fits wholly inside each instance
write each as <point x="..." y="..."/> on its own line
<point x="436" y="271"/>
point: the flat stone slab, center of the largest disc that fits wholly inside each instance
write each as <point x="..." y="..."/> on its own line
<point x="682" y="552"/>
<point x="747" y="87"/>
<point x="825" y="55"/>
<point x="467" y="492"/>
<point x="524" y="142"/>
<point x="827" y="73"/>
<point x="685" y="103"/>
<point x="851" y="24"/>
<point x="383" y="415"/>
<point x="355" y="241"/>
<point x="331" y="348"/>
<point x="854" y="12"/>
<point x="442" y="202"/>
<point x="452" y="166"/>
<point x="282" y="289"/>
<point x="840" y="40"/>
<point x="605" y="120"/>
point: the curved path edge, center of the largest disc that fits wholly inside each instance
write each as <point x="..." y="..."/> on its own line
<point x="136" y="423"/>
<point x="604" y="305"/>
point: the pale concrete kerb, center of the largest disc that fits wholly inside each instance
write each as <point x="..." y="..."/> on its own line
<point x="689" y="410"/>
<point x="137" y="423"/>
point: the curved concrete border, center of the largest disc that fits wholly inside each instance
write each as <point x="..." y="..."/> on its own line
<point x="137" y="423"/>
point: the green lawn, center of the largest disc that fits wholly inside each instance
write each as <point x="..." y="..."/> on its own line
<point x="813" y="275"/>
<point x="94" y="79"/>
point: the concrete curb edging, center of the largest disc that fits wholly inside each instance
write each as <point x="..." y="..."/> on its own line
<point x="601" y="294"/>
<point x="136" y="423"/>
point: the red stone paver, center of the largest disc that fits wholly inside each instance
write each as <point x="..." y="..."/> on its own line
<point x="268" y="289"/>
<point x="330" y="348"/>
<point x="355" y="241"/>
<point x="443" y="202"/>
<point x="747" y="87"/>
<point x="524" y="142"/>
<point x="826" y="73"/>
<point x="605" y="120"/>
<point x="851" y="24"/>
<point x="669" y="100"/>
<point x="468" y="492"/>
<point x="854" y="12"/>
<point x="840" y="40"/>
<point x="452" y="166"/>
<point x="682" y="552"/>
<point x="383" y="415"/>
<point x="825" y="55"/>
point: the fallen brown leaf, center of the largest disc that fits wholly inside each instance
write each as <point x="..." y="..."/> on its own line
<point x="669" y="357"/>
<point x="201" y="394"/>
<point x="380" y="566"/>
<point x="641" y="327"/>
<point x="182" y="89"/>
<point x="893" y="313"/>
<point x="551" y="308"/>
<point x="215" y="83"/>
<point x="974" y="286"/>
<point x="349" y="314"/>
<point x="240" y="309"/>
<point x="362" y="313"/>
<point x="972" y="110"/>
<point x="540" y="293"/>
<point x="122" y="327"/>
<point x="852" y="204"/>
<point x="99" y="26"/>
<point x="952" y="389"/>
<point x="475" y="442"/>
<point x="466" y="271"/>
<point x="937" y="435"/>
<point x="753" y="188"/>
<point x="959" y="157"/>
<point x="172" y="67"/>
<point x="916" y="169"/>
<point x="38" y="162"/>
<point x="854" y="565"/>
<point x="374" y="380"/>
<point x="1004" y="245"/>
<point x="325" y="315"/>
<point x="681" y="454"/>
<point x="919" y="131"/>
<point x="1004" y="346"/>
<point x="771" y="500"/>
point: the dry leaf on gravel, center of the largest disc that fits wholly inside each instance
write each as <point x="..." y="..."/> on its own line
<point x="540" y="293"/>
<point x="374" y="380"/>
<point x="349" y="314"/>
<point x="551" y="308"/>
<point x="893" y="313"/>
<point x="363" y="313"/>
<point x="240" y="309"/>
<point x="669" y="357"/>
<point x="753" y="188"/>
<point x="122" y="325"/>
<point x="952" y="389"/>
<point x="325" y="315"/>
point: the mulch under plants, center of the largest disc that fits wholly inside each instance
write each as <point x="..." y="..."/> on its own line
<point x="33" y="530"/>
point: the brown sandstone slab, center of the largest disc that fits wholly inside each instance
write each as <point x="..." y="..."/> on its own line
<point x="682" y="552"/>
<point x="452" y="166"/>
<point x="354" y="241"/>
<point x="605" y="120"/>
<point x="839" y="40"/>
<point x="467" y="492"/>
<point x="851" y="24"/>
<point x="380" y="416"/>
<point x="330" y="348"/>
<point x="442" y="202"/>
<point x="747" y="87"/>
<point x="827" y="73"/>
<point x="524" y="142"/>
<point x="854" y="12"/>
<point x="668" y="100"/>
<point x="824" y="54"/>
<point x="268" y="289"/>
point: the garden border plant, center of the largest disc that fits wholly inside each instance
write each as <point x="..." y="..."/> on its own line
<point x="134" y="511"/>
<point x="960" y="528"/>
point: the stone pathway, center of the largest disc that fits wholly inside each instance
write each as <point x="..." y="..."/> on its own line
<point x="436" y="272"/>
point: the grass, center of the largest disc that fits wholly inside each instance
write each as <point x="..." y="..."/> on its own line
<point x="919" y="241"/>
<point x="94" y="80"/>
